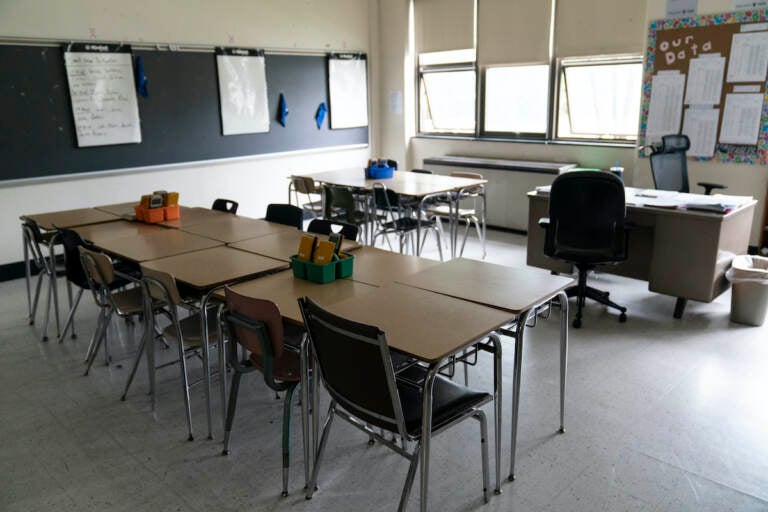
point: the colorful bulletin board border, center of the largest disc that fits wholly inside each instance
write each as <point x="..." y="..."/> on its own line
<point x="723" y="152"/>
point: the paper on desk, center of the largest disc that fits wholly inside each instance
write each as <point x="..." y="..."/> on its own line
<point x="715" y="199"/>
<point x="705" y="80"/>
<point x="741" y="118"/>
<point x="749" y="57"/>
<point x="666" y="105"/>
<point x="700" y="125"/>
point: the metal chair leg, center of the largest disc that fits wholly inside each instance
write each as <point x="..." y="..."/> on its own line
<point x="480" y="416"/>
<point x="409" y="478"/>
<point x="320" y="450"/>
<point x="47" y="309"/>
<point x="37" y="298"/>
<point x="234" y="389"/>
<point x="137" y="359"/>
<point x="71" y="317"/>
<point x="100" y="336"/>
<point x="287" y="436"/>
<point x="27" y="274"/>
<point x="185" y="385"/>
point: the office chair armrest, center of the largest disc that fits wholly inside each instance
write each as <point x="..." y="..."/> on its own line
<point x="708" y="186"/>
<point x="544" y="222"/>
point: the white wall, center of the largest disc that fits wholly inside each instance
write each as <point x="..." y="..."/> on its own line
<point x="300" y="24"/>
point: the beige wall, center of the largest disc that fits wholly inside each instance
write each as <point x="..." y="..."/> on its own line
<point x="255" y="182"/>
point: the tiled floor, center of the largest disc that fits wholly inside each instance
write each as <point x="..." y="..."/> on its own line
<point x="662" y="415"/>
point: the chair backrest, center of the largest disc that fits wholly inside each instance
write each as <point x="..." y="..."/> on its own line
<point x="421" y="171"/>
<point x="287" y="214"/>
<point x="254" y="323"/>
<point x="72" y="241"/>
<point x="385" y="199"/>
<point x="98" y="268"/>
<point x="225" y="205"/>
<point x="355" y="366"/>
<point x="325" y="227"/>
<point x="304" y="185"/>
<point x="668" y="163"/>
<point x="339" y="197"/>
<point x="586" y="215"/>
<point x="33" y="240"/>
<point x="161" y="286"/>
<point x="472" y="175"/>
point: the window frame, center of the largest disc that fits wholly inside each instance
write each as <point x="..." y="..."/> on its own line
<point x="444" y="68"/>
<point x="560" y="65"/>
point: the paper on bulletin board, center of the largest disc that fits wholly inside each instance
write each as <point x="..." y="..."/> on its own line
<point x="746" y="5"/>
<point x="741" y="118"/>
<point x="749" y="57"/>
<point x="103" y="98"/>
<point x="666" y="105"/>
<point x="700" y="125"/>
<point x="243" y="94"/>
<point x="348" y="84"/>
<point x="680" y="8"/>
<point x="705" y="80"/>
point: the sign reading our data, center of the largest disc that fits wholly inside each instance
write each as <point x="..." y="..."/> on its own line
<point x="103" y="98"/>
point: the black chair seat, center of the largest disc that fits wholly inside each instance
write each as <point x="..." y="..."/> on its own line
<point x="449" y="400"/>
<point x="406" y="224"/>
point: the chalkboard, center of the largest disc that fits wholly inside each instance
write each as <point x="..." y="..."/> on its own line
<point x="180" y="119"/>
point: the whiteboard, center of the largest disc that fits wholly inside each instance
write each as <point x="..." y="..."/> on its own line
<point x="243" y="94"/>
<point x="348" y="84"/>
<point x="103" y="97"/>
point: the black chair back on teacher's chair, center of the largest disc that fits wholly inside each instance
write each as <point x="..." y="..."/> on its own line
<point x="586" y="227"/>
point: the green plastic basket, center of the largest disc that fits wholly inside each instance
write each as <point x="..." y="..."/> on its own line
<point x="344" y="265"/>
<point x="299" y="267"/>
<point x="321" y="273"/>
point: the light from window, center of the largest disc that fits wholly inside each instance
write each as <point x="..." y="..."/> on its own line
<point x="447" y="102"/>
<point x="600" y="101"/>
<point x="516" y="99"/>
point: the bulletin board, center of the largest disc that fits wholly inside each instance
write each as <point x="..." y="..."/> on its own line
<point x="723" y="103"/>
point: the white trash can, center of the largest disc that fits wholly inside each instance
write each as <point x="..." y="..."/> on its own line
<point x="749" y="297"/>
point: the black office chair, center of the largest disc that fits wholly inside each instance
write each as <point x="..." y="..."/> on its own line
<point x="324" y="227"/>
<point x="586" y="227"/>
<point x="285" y="214"/>
<point x="669" y="166"/>
<point x="225" y="205"/>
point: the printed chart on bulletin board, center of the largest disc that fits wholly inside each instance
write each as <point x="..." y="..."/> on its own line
<point x="705" y="76"/>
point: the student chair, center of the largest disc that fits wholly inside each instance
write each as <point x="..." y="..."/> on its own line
<point x="326" y="227"/>
<point x="287" y="214"/>
<point x="160" y="295"/>
<point x="586" y="227"/>
<point x="47" y="266"/>
<point x="271" y="348"/>
<point x="669" y="166"/>
<point x="312" y="203"/>
<point x="342" y="205"/>
<point x="368" y="396"/>
<point x="225" y="205"/>
<point x="101" y="275"/>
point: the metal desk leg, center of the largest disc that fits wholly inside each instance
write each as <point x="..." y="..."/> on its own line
<point x="304" y="362"/>
<point x="426" y="433"/>
<point x="522" y="319"/>
<point x="54" y="284"/>
<point x="563" y="299"/>
<point x="314" y="393"/>
<point x="206" y="364"/>
<point x="497" y="399"/>
<point x="27" y="275"/>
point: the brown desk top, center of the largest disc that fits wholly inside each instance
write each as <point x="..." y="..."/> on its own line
<point x="402" y="182"/>
<point x="282" y="245"/>
<point x="212" y="267"/>
<point x="190" y="216"/>
<point x="160" y="244"/>
<point x="71" y="218"/>
<point x="119" y="229"/>
<point x="119" y="209"/>
<point x="422" y="324"/>
<point x="284" y="290"/>
<point x="510" y="289"/>
<point x="231" y="228"/>
<point x="379" y="267"/>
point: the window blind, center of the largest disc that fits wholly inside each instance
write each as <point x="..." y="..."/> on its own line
<point x="443" y="25"/>
<point x="513" y="31"/>
<point x="599" y="27"/>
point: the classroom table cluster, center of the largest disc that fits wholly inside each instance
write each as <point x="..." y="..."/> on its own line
<point x="211" y="281"/>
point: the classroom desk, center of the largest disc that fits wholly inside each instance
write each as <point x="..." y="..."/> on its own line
<point x="189" y="216"/>
<point x="231" y="228"/>
<point x="119" y="209"/>
<point x="152" y="246"/>
<point x="379" y="267"/>
<point x="516" y="291"/>
<point x="408" y="184"/>
<point x="283" y="244"/>
<point x="70" y="218"/>
<point x="406" y="314"/>
<point x="681" y="253"/>
<point x="96" y="233"/>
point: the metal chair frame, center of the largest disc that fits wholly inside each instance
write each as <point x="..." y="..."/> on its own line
<point x="308" y="187"/>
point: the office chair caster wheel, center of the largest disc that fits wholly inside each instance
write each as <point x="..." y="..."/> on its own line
<point x="622" y="318"/>
<point x="577" y="323"/>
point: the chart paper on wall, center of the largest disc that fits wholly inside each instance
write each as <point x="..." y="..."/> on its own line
<point x="749" y="57"/>
<point x="741" y="118"/>
<point x="348" y="84"/>
<point x="242" y="91"/>
<point x="104" y="106"/>
<point x="705" y="80"/>
<point x="666" y="106"/>
<point x="700" y="125"/>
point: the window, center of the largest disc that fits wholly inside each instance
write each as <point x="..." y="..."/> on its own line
<point x="516" y="99"/>
<point x="447" y="92"/>
<point x="599" y="99"/>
